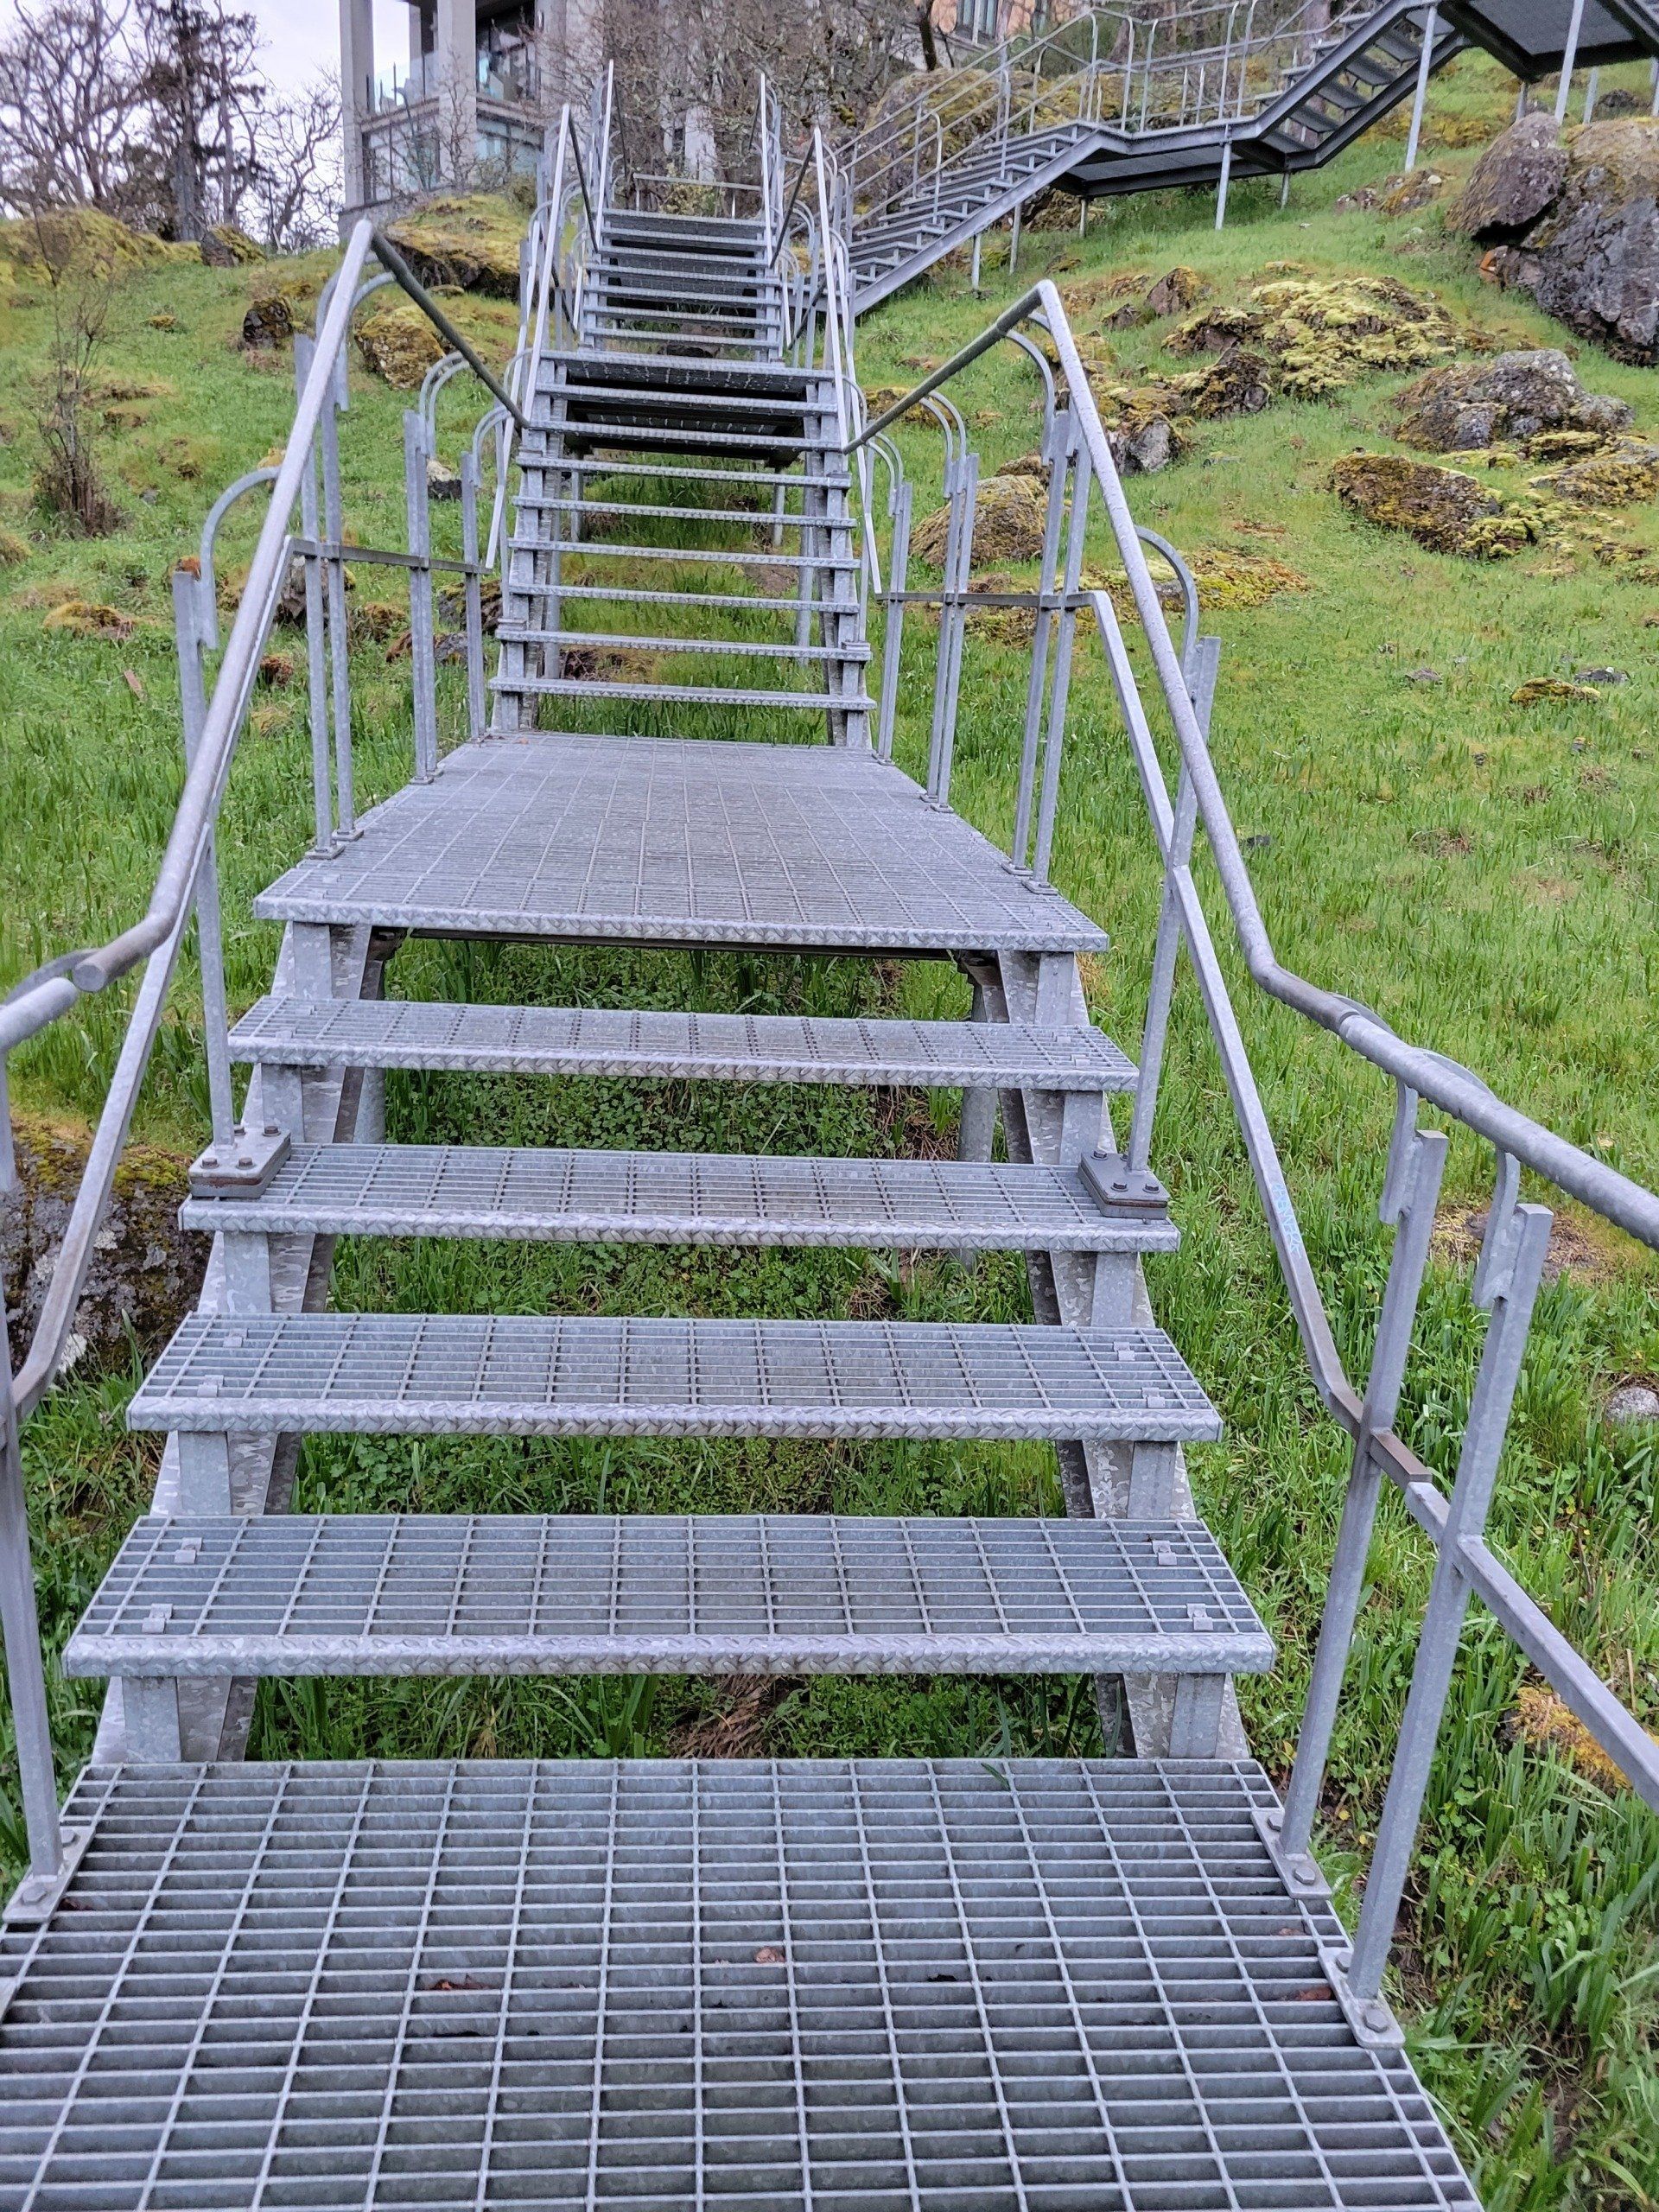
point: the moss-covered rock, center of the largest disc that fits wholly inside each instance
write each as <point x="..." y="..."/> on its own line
<point x="1552" y="690"/>
<point x="80" y="239"/>
<point x="268" y="323"/>
<point x="399" y="344"/>
<point x="471" y="243"/>
<point x="1008" y="523"/>
<point x="1618" y="476"/>
<point x="86" y="617"/>
<point x="146" y="1272"/>
<point x="224" y="246"/>
<point x="1440" y="508"/>
<point x="1320" y="336"/>
<point x="1574" y="219"/>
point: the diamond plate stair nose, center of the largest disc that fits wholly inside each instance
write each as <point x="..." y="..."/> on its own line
<point x="712" y="1047"/>
<point x="468" y="1594"/>
<point x="452" y="1374"/>
<point x="675" y="1198"/>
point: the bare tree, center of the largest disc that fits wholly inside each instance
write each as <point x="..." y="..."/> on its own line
<point x="203" y="96"/>
<point x="294" y="193"/>
<point x="71" y="101"/>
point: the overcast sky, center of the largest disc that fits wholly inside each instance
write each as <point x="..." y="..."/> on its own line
<point x="302" y="36"/>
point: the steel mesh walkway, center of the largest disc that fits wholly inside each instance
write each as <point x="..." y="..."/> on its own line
<point x="891" y="1986"/>
<point x="444" y="1593"/>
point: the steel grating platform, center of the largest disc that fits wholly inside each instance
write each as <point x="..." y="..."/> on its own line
<point x="706" y="1594"/>
<point x="678" y="841"/>
<point x="662" y="1045"/>
<point x="887" y="1987"/>
<point x="672" y="1197"/>
<point x="522" y="1374"/>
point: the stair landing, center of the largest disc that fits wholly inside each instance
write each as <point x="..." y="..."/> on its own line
<point x="596" y="838"/>
<point x="891" y="1986"/>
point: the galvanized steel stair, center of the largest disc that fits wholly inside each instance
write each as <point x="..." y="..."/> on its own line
<point x="936" y="1984"/>
<point x="1357" y="70"/>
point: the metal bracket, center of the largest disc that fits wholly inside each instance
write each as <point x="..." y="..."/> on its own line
<point x="1117" y="1190"/>
<point x="244" y="1167"/>
<point x="35" y="1897"/>
<point x="1373" y="2026"/>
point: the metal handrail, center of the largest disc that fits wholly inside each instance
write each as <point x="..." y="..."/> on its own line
<point x="1506" y="1277"/>
<point x="156" y="940"/>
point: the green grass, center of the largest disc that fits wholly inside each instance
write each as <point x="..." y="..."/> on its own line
<point x="1484" y="875"/>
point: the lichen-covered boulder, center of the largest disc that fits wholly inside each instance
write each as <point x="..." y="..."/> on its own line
<point x="1515" y="179"/>
<point x="1588" y="249"/>
<point x="1440" y="509"/>
<point x="1510" y="396"/>
<point x="1239" y="383"/>
<point x="1176" y="290"/>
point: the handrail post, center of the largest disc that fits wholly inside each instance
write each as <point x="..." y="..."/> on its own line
<point x="1058" y="448"/>
<point x="316" y="640"/>
<point x="1569" y="56"/>
<point x="472" y="594"/>
<point x="423" y="671"/>
<point x="339" y="646"/>
<point x="210" y="945"/>
<point x="894" y="629"/>
<point x="1054" y="741"/>
<point x="1410" y="1193"/>
<point x="20" y="1623"/>
<point x="1525" y="1233"/>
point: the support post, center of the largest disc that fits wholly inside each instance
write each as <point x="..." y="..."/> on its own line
<point x="1223" y="182"/>
<point x="356" y="92"/>
<point x="1591" y="87"/>
<point x="1424" y="63"/>
<point x="1284" y="189"/>
<point x="1569" y="55"/>
<point x="1518" y="1239"/>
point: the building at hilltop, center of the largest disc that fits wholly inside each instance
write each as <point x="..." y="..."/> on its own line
<point x="467" y="99"/>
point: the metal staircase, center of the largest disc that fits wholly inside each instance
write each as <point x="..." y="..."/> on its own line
<point x="930" y="1984"/>
<point x="1109" y="102"/>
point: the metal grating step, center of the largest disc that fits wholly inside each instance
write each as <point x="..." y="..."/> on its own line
<point x="894" y="1986"/>
<point x="665" y="1045"/>
<point x="669" y="1198"/>
<point x="717" y="557"/>
<point x="683" y="694"/>
<point x="674" y="841"/>
<point x="756" y="648"/>
<point x="356" y="1594"/>
<point x="455" y="1375"/>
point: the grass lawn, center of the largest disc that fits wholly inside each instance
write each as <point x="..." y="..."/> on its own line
<point x="1485" y="874"/>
